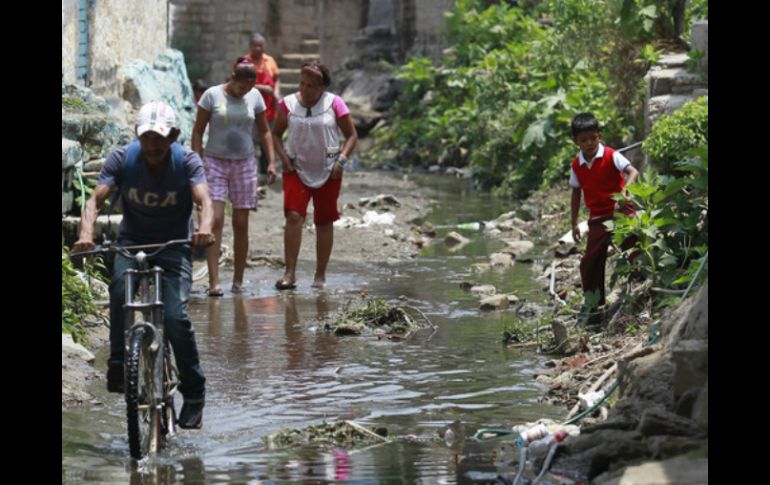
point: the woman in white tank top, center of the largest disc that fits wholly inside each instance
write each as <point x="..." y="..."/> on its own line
<point x="312" y="162"/>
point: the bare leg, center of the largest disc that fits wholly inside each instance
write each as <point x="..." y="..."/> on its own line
<point x="212" y="252"/>
<point x="292" y="240"/>
<point x="240" y="245"/>
<point x="323" y="249"/>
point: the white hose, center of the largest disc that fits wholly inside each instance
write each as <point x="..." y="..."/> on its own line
<point x="547" y="463"/>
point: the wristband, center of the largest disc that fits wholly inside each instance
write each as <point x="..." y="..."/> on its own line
<point x="342" y="160"/>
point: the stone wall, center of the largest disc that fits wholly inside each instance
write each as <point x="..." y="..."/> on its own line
<point x="670" y="84"/>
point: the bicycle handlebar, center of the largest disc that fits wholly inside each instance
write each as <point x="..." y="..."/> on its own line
<point x="126" y="250"/>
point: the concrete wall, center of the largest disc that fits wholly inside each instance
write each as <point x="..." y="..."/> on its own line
<point x="119" y="31"/>
<point x="430" y="21"/>
<point x="212" y="34"/>
<point x="69" y="39"/>
<point x="341" y="21"/>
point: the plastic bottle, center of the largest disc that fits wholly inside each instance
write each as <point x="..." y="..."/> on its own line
<point x="532" y="434"/>
<point x="549" y="439"/>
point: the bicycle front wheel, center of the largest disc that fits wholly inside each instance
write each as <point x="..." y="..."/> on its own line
<point x="143" y="416"/>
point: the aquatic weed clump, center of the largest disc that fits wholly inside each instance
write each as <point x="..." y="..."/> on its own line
<point x="376" y="316"/>
<point x="343" y="434"/>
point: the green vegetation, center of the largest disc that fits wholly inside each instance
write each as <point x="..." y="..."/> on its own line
<point x="77" y="298"/>
<point x="676" y="135"/>
<point x="671" y="224"/>
<point x="503" y="96"/>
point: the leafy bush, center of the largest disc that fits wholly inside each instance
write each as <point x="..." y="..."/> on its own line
<point x="674" y="136"/>
<point x="77" y="299"/>
<point x="671" y="223"/>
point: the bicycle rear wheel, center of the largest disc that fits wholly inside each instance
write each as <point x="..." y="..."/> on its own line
<point x="143" y="417"/>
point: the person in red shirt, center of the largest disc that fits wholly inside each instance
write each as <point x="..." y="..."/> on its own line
<point x="267" y="84"/>
<point x="598" y="173"/>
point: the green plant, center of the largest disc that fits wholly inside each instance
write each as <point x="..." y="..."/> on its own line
<point x="674" y="136"/>
<point x="76" y="295"/>
<point x="503" y="96"/>
<point x="671" y="223"/>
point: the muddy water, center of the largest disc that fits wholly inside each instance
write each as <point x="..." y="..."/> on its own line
<point x="268" y="367"/>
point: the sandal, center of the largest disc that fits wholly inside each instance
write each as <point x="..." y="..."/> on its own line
<point x="283" y="284"/>
<point x="212" y="292"/>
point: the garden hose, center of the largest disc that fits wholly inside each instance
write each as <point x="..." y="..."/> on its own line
<point x="695" y="278"/>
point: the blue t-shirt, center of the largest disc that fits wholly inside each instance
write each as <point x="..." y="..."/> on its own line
<point x="155" y="208"/>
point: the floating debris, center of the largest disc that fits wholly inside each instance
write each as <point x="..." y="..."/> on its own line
<point x="378" y="317"/>
<point x="343" y="434"/>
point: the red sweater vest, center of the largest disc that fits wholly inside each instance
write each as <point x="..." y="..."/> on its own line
<point x="599" y="183"/>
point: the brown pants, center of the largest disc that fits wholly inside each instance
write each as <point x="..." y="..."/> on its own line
<point x="594" y="262"/>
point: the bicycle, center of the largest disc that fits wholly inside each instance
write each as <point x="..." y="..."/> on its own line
<point x="150" y="373"/>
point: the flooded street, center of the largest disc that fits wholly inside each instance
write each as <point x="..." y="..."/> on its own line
<point x="269" y="366"/>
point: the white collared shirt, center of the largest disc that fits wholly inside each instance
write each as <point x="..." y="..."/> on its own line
<point x="621" y="163"/>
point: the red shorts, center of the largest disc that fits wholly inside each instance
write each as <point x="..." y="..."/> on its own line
<point x="297" y="195"/>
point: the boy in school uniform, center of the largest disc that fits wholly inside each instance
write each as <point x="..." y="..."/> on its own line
<point x="598" y="173"/>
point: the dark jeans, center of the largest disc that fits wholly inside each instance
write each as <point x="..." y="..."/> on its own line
<point x="594" y="261"/>
<point x="176" y="262"/>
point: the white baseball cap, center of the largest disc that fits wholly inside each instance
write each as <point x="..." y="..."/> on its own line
<point x="155" y="116"/>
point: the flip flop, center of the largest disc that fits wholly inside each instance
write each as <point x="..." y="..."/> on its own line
<point x="211" y="292"/>
<point x="284" y="285"/>
<point x="237" y="289"/>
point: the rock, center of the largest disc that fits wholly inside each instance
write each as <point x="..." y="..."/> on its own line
<point x="459" y="172"/>
<point x="70" y="346"/>
<point x="427" y="229"/>
<point x="98" y="133"/>
<point x="657" y="421"/>
<point x="496" y="302"/>
<point x="543" y="379"/>
<point x="71" y="153"/>
<point x="71" y="225"/>
<point x="500" y="260"/>
<point x="434" y="169"/>
<point x="348" y="207"/>
<point x="94" y="165"/>
<point x="381" y="200"/>
<point x="518" y="248"/>
<point x="664" y="447"/>
<point x="454" y="239"/>
<point x="67" y="202"/>
<point x="512" y="299"/>
<point x="166" y="79"/>
<point x="481" y="267"/>
<point x="466" y="285"/>
<point x="700" y="41"/>
<point x="560" y="331"/>
<point x="483" y="290"/>
<point x="673" y="81"/>
<point x="676" y="471"/>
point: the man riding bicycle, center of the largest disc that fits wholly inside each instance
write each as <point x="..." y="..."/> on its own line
<point x="158" y="181"/>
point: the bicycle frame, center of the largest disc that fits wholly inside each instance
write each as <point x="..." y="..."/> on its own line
<point x="152" y="399"/>
<point x="150" y="305"/>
